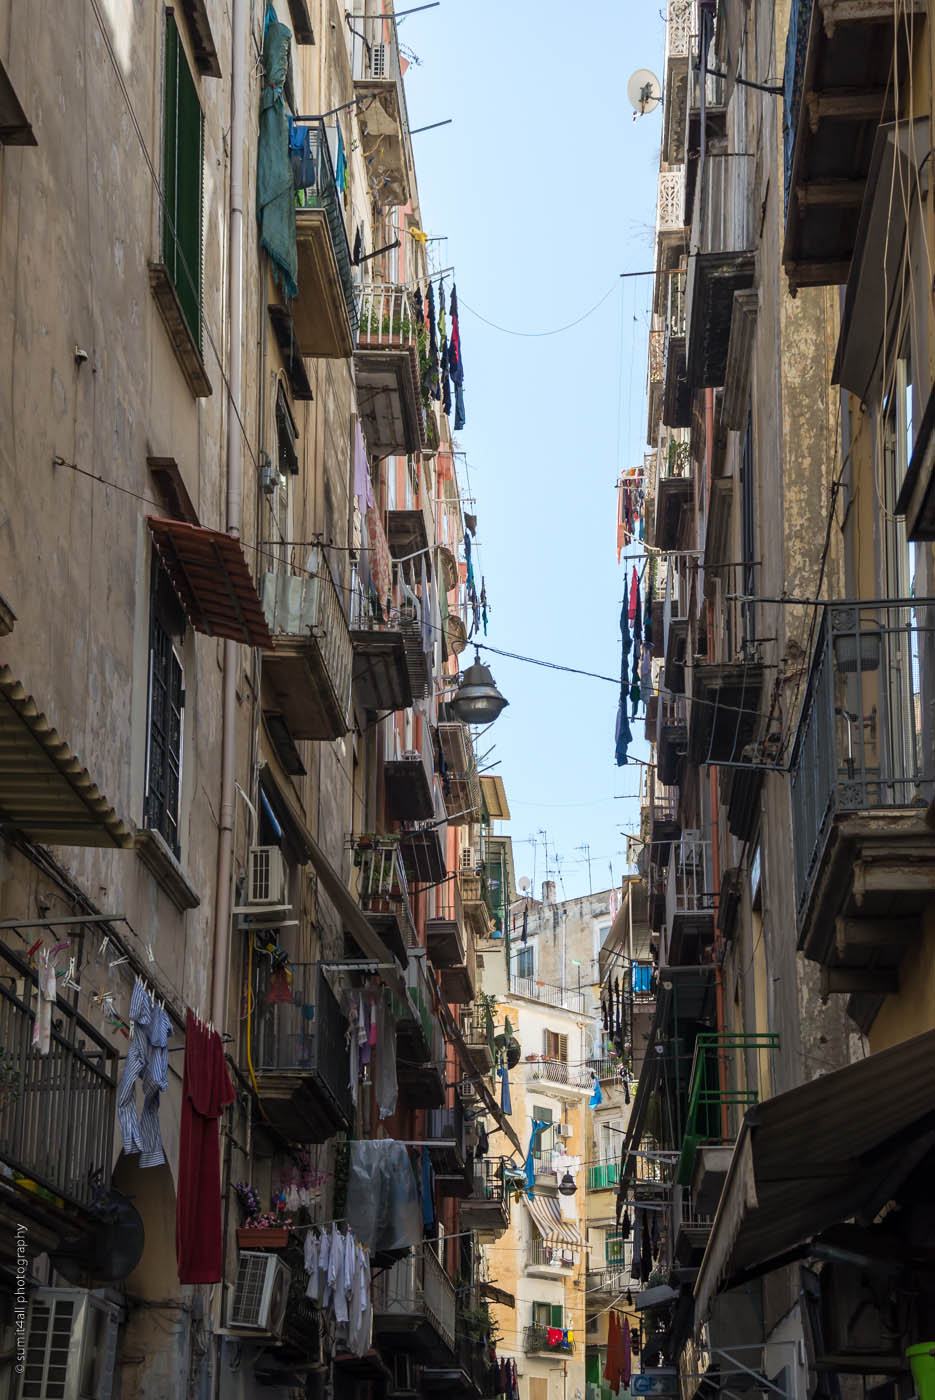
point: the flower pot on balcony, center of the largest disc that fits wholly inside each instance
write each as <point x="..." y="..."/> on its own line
<point x="921" y="1360"/>
<point x="270" y="1237"/>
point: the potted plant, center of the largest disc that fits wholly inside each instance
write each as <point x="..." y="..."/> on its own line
<point x="269" y="1230"/>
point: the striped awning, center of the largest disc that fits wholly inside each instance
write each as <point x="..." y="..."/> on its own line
<point x="548" y="1220"/>
<point x="45" y="793"/>
<point x="209" y="573"/>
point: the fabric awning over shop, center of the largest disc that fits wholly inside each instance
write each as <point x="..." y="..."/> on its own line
<point x="45" y="793"/>
<point x="210" y="575"/>
<point x="547" y="1217"/>
<point x="818" y="1155"/>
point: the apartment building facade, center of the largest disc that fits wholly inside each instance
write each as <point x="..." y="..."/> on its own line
<point x="787" y="813"/>
<point x="234" y="787"/>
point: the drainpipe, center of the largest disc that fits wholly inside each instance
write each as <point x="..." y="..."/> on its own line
<point x="221" y="954"/>
<point x="713" y="798"/>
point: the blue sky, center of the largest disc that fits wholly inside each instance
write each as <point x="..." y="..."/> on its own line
<point x="544" y="188"/>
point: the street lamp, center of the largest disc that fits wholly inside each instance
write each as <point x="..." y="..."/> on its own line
<point x="477" y="700"/>
<point x="567" y="1187"/>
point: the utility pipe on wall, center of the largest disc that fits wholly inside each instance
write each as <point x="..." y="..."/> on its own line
<point x="222" y="906"/>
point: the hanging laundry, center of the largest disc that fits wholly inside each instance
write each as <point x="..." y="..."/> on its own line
<point x="469" y="561"/>
<point x="428" y="1192"/>
<point x="626" y="1369"/>
<point x="635" y="1257"/>
<point x="430" y="382"/>
<point x="385" y="1082"/>
<point x="597" y="1098"/>
<point x="470" y="522"/>
<point x="206" y="1091"/>
<point x="455" y="361"/>
<point x="621" y="520"/>
<point x="646" y="1254"/>
<point x="637" y="651"/>
<point x="525" y="934"/>
<point x="42" y="1025"/>
<point x="623" y="736"/>
<point x="625" y="1224"/>
<point x="310" y="1259"/>
<point x="483" y="603"/>
<point x="538" y="1128"/>
<point x="358" y="249"/>
<point x="418" y="306"/>
<point x="654" y="1236"/>
<point x="443" y="343"/>
<point x="506" y="1103"/>
<point x="634" y="590"/>
<point x="363" y="1031"/>
<point x="147" y="1060"/>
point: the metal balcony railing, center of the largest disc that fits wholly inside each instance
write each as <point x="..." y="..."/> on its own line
<point x="611" y="1278"/>
<point x="866" y="737"/>
<point x="688" y="889"/>
<point x="542" y="1255"/>
<point x="488" y="1184"/>
<point x="571" y="998"/>
<point x="656" y="349"/>
<point x="382" y="883"/>
<point x="606" y="1069"/>
<point x="307" y="606"/>
<point x="800" y="19"/>
<point x="421" y="1000"/>
<point x="418" y="1286"/>
<point x="558" y="1072"/>
<point x="387" y="319"/>
<point x="57" y="1114"/>
<point x="316" y="188"/>
<point x="539" y="1338"/>
<point x="479" y="1030"/>
<point x="602" y="1175"/>
<point x="719" y="1091"/>
<point x="298" y="1025"/>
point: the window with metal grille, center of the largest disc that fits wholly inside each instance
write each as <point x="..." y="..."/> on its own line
<point x="182" y="180"/>
<point x="166" y="705"/>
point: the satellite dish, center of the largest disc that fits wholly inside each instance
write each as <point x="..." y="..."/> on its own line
<point x="108" y="1252"/>
<point x="525" y="884"/>
<point x="644" y="91"/>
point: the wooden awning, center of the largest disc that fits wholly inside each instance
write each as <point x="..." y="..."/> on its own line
<point x="45" y="793"/>
<point x="210" y="574"/>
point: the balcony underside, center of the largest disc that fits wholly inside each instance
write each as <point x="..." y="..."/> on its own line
<point x="388" y="396"/>
<point x="391" y="929"/>
<point x="662" y="832"/>
<point x="487" y="1217"/>
<point x="690" y="1243"/>
<point x="424" y="856"/>
<point x="652" y="717"/>
<point x="456" y="1183"/>
<point x="407" y="534"/>
<point x="875" y="875"/>
<point x="676" y="394"/>
<point x="408" y="790"/>
<point x="673" y="496"/>
<point x="690" y="935"/>
<point x="382" y="140"/>
<point x="319" y="312"/>
<point x="445" y="942"/>
<point x="422" y="1086"/>
<point x="846" y="91"/>
<point x="670" y="749"/>
<point x="298" y="680"/>
<point x="481" y="1053"/>
<point x="409" y="1331"/>
<point x="713" y="280"/>
<point x="299" y="1105"/>
<point x="709" y="1175"/>
<point x="457" y="984"/>
<point x="743" y="806"/>
<point x="725" y="712"/>
<point x="673" y="674"/>
<point x="381" y="675"/>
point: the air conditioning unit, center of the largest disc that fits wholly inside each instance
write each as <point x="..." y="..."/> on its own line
<point x="563" y="1130"/>
<point x="379" y="60"/>
<point x="266" y="876"/>
<point x="404" y="1373"/>
<point x="261" y="1293"/>
<point x="71" y="1346"/>
<point x="468" y="859"/>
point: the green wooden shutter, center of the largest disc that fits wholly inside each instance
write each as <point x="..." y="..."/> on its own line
<point x="183" y="163"/>
<point x="555" y="1313"/>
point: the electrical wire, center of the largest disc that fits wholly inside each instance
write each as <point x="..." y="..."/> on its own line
<point x="533" y="335"/>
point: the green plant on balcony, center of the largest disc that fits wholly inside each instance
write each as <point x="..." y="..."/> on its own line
<point x="397" y="325"/>
<point x="678" y="457"/>
<point x="476" y="1324"/>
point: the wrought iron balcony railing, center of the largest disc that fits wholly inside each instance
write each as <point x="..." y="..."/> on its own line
<point x="571" y="998"/>
<point x="539" y="1338"/>
<point x="418" y="1286"/>
<point x="720" y="1090"/>
<point x="316" y="188"/>
<point x="865" y="740"/>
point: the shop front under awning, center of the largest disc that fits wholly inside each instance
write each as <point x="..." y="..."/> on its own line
<point x="547" y="1217"/>
<point x="45" y="792"/>
<point x="209" y="573"/>
<point x="837" y="1148"/>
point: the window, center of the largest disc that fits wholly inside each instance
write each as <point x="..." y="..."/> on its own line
<point x="524" y="965"/>
<point x="545" y="1138"/>
<point x="547" y="1315"/>
<point x="182" y="164"/>
<point x="166" y="704"/>
<point x="555" y="1046"/>
<point x="286" y="436"/>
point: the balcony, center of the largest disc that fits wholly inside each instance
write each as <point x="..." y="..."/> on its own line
<point x="671" y="738"/>
<point x="387" y="373"/>
<point x="607" y="1071"/>
<point x="604" y="1176"/>
<point x="383" y="891"/>
<point x="419" y="1038"/>
<point x="720" y="1090"/>
<point x="487" y="1209"/>
<point x="454" y="956"/>
<point x="445" y="935"/>
<point x="725" y="708"/>
<point x="571" y="998"/>
<point x="545" y="1260"/>
<point x="676" y="394"/>
<point x="863" y="774"/>
<point x="560" y="1074"/>
<point x="447" y="1132"/>
<point x="308" y="671"/>
<point x="678" y="56"/>
<point x="713" y="278"/>
<point x="381" y="674"/>
<point x="838" y="88"/>
<point x="657" y="338"/>
<point x="324" y="313"/>
<point x="414" y="1305"/>
<point x="613" y="1279"/>
<point x="460" y="782"/>
<point x="539" y="1341"/>
<point x="57" y="1117"/>
<point x="479" y="1033"/>
<point x="675" y="622"/>
<point x="689" y="903"/>
<point x="299" y="1053"/>
<point x="408" y="781"/>
<point x="691" y="1237"/>
<point x="475" y="897"/>
<point x="675" y="493"/>
<point x="382" y="118"/>
<point x="469" y="1378"/>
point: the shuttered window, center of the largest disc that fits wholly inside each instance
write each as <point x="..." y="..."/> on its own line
<point x="555" y="1046"/>
<point x="166" y="704"/>
<point x="182" y="167"/>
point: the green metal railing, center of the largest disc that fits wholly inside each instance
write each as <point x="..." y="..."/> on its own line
<point x="719" y="1092"/>
<point x="603" y="1175"/>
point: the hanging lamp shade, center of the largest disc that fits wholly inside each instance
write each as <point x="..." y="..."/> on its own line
<point x="477" y="700"/>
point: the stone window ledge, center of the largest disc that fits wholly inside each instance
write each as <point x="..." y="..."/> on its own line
<point x="155" y="854"/>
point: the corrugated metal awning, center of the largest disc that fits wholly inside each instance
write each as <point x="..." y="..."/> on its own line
<point x="815" y="1156"/>
<point x="547" y="1217"/>
<point x="209" y="573"/>
<point x="45" y="793"/>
